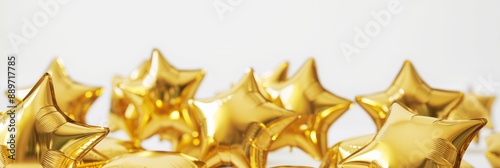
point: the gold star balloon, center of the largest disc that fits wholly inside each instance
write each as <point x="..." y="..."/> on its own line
<point x="159" y="93"/>
<point x="241" y="125"/>
<point x="410" y="140"/>
<point x="409" y="89"/>
<point x="73" y="98"/>
<point x="107" y="149"/>
<point x="345" y="148"/>
<point x="316" y="107"/>
<point x="493" y="150"/>
<point x="121" y="105"/>
<point x="36" y="131"/>
<point x="473" y="107"/>
<point x="152" y="159"/>
<point x="277" y="76"/>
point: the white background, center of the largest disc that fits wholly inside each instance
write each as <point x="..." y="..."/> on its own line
<point x="454" y="45"/>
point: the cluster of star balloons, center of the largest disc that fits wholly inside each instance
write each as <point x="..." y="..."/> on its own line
<point x="417" y="126"/>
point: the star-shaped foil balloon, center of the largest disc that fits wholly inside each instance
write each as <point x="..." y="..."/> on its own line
<point x="474" y="107"/>
<point x="317" y="108"/>
<point x="409" y="140"/>
<point x="120" y="105"/>
<point x="345" y="148"/>
<point x="493" y="150"/>
<point x="241" y="125"/>
<point x="152" y="159"/>
<point x="73" y="98"/>
<point x="159" y="94"/>
<point x="36" y="131"/>
<point x="107" y="149"/>
<point x="277" y="76"/>
<point x="409" y="89"/>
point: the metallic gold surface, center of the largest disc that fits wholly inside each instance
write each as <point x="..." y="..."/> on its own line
<point x="345" y="148"/>
<point x="409" y="89"/>
<point x="474" y="107"/>
<point x="73" y="98"/>
<point x="241" y="125"/>
<point x="493" y="150"/>
<point x="153" y="100"/>
<point x="109" y="148"/>
<point x="150" y="159"/>
<point x="43" y="134"/>
<point x="409" y="140"/>
<point x="317" y="109"/>
<point x="277" y="76"/>
<point x="24" y="165"/>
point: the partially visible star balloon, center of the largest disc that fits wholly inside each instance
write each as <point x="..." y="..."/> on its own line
<point x="151" y="159"/>
<point x="37" y="131"/>
<point x="473" y="107"/>
<point x="153" y="100"/>
<point x="317" y="108"/>
<point x="277" y="76"/>
<point x="493" y="150"/>
<point x="409" y="89"/>
<point x="409" y="140"/>
<point x="120" y="105"/>
<point x="73" y="98"/>
<point x="241" y="125"/>
<point x="345" y="148"/>
<point x="107" y="149"/>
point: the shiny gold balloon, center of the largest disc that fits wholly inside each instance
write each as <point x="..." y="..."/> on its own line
<point x="472" y="107"/>
<point x="493" y="150"/>
<point x="24" y="165"/>
<point x="36" y="131"/>
<point x="345" y="148"/>
<point x="73" y="98"/>
<point x="292" y="167"/>
<point x="241" y="125"/>
<point x="409" y="89"/>
<point x="317" y="108"/>
<point x="121" y="105"/>
<point x="151" y="159"/>
<point x="109" y="148"/>
<point x="277" y="76"/>
<point x="156" y="96"/>
<point x="409" y="140"/>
